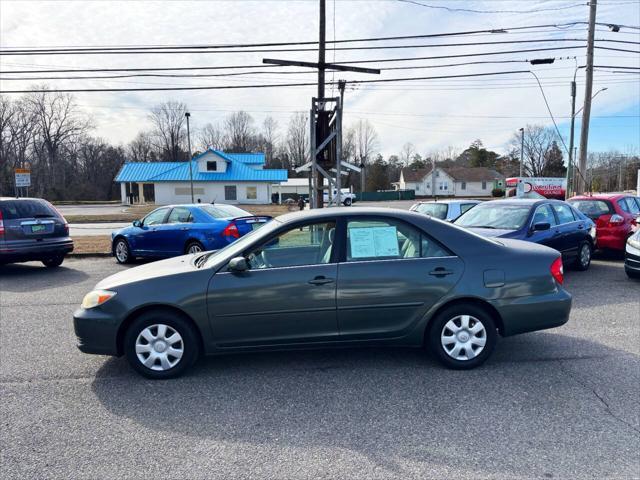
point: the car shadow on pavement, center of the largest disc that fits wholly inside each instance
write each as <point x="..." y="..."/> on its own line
<point x="39" y="277"/>
<point x="394" y="407"/>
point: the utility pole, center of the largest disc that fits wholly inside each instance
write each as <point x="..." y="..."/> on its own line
<point x="567" y="192"/>
<point x="586" y="114"/>
<point x="433" y="177"/>
<point x="521" y="152"/>
<point x="187" y="114"/>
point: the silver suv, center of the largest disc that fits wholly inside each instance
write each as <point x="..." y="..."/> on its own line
<point x="32" y="229"/>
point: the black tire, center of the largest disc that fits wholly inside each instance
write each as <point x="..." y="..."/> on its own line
<point x="53" y="262"/>
<point x="347" y="202"/>
<point x="193" y="244"/>
<point x="190" y="343"/>
<point x="126" y="256"/>
<point x="631" y="274"/>
<point x="581" y="263"/>
<point x="454" y="313"/>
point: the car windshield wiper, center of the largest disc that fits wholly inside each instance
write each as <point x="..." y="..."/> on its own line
<point x="484" y="226"/>
<point x="43" y="215"/>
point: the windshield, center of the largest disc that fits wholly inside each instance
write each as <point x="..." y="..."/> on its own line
<point x="437" y="210"/>
<point x="237" y="247"/>
<point x="507" y="217"/>
<point x="225" y="211"/>
<point x="14" y="209"/>
<point x="592" y="208"/>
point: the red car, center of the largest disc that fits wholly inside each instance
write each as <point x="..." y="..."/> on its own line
<point x="616" y="216"/>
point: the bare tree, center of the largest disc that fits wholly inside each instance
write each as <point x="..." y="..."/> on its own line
<point x="58" y="121"/>
<point x="169" y="129"/>
<point x="142" y="149"/>
<point x="297" y="141"/>
<point x="407" y="153"/>
<point x="239" y="132"/>
<point x="270" y="137"/>
<point x="538" y="141"/>
<point x="366" y="141"/>
<point x="211" y="136"/>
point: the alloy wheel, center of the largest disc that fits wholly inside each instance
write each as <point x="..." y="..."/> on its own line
<point x="159" y="347"/>
<point x="463" y="337"/>
<point x="585" y="255"/>
<point x="122" y="251"/>
<point x="194" y="248"/>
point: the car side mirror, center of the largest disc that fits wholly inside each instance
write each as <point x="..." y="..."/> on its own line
<point x="137" y="223"/>
<point x="238" y="264"/>
<point x="541" y="226"/>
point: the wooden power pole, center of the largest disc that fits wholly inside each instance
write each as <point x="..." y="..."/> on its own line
<point x="586" y="110"/>
<point x="326" y="125"/>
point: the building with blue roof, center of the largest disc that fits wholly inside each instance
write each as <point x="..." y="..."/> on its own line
<point x="217" y="177"/>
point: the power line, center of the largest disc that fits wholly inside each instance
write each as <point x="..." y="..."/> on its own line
<point x="229" y="87"/>
<point x="468" y="10"/>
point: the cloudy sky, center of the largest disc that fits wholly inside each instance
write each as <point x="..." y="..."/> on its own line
<point x="432" y="114"/>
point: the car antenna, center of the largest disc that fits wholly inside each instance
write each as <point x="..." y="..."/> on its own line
<point x="213" y="202"/>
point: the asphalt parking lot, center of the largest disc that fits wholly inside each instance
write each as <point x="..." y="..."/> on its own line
<point x="556" y="404"/>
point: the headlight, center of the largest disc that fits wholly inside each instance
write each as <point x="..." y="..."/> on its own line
<point x="634" y="241"/>
<point x="96" y="297"/>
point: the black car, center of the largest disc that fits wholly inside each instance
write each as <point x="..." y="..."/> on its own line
<point x="31" y="229"/>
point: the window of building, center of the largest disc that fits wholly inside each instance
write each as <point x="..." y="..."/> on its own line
<point x="212" y="166"/>
<point x="463" y="186"/>
<point x="252" y="193"/>
<point x="443" y="186"/>
<point x="484" y="185"/>
<point x="187" y="190"/>
<point x="230" y="192"/>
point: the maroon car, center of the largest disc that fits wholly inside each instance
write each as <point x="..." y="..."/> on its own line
<point x="616" y="216"/>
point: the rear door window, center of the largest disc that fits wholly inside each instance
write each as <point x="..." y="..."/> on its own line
<point x="564" y="212"/>
<point x="632" y="205"/>
<point x="16" y="209"/>
<point x="622" y="203"/>
<point x="180" y="215"/>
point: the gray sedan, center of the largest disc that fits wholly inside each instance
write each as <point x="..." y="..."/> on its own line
<point x="327" y="278"/>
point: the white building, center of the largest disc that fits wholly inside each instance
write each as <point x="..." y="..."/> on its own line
<point x="451" y="181"/>
<point x="217" y="176"/>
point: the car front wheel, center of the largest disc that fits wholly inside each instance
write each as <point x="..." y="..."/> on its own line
<point x="161" y="345"/>
<point x="462" y="336"/>
<point x="122" y="252"/>
<point x="347" y="202"/>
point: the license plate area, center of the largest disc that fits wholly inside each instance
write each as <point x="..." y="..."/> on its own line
<point x="38" y="228"/>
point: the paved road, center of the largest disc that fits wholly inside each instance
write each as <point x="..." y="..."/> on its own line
<point x="91" y="229"/>
<point x="556" y="404"/>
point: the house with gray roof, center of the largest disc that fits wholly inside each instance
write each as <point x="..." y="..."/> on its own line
<point x="217" y="176"/>
<point x="451" y="181"/>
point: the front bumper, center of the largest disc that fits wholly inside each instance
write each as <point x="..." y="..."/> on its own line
<point x="96" y="331"/>
<point x="632" y="259"/>
<point x="528" y="314"/>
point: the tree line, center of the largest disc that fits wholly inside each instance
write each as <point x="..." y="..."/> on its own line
<point x="48" y="133"/>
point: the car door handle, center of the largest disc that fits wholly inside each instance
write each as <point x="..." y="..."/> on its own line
<point x="320" y="280"/>
<point x="580" y="227"/>
<point x="440" y="272"/>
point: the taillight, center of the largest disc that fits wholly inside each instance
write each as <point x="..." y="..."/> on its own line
<point x="616" y="219"/>
<point x="557" y="270"/>
<point x="1" y="225"/>
<point x="231" y="230"/>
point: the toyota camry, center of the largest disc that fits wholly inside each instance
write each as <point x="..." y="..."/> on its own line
<point x="327" y="278"/>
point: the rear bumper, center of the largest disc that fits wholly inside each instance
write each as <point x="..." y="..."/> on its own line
<point x="613" y="240"/>
<point x="528" y="314"/>
<point x="96" y="332"/>
<point x="21" y="252"/>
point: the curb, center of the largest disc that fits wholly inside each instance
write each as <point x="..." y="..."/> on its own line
<point x="88" y="255"/>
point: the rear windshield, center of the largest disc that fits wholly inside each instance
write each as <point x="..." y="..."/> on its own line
<point x="592" y="208"/>
<point x="437" y="210"/>
<point x="14" y="209"/>
<point x="225" y="211"/>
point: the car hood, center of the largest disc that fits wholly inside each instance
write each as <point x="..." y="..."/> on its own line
<point x="491" y="232"/>
<point x="162" y="268"/>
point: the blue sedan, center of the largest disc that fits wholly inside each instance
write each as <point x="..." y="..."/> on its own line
<point x="181" y="229"/>
<point x="553" y="223"/>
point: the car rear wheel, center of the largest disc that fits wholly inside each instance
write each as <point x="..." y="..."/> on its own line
<point x="161" y="345"/>
<point x="194" y="247"/>
<point x="122" y="252"/>
<point x="462" y="336"/>
<point x="584" y="257"/>
<point x="53" y="261"/>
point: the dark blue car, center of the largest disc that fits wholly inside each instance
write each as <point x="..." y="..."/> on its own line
<point x="181" y="229"/>
<point x="553" y="223"/>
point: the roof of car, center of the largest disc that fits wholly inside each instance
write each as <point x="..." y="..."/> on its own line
<point x="344" y="211"/>
<point x="602" y="196"/>
<point x="451" y="200"/>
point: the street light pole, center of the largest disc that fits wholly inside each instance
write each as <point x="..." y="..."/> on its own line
<point x="567" y="192"/>
<point x="187" y="114"/>
<point x="521" y="151"/>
